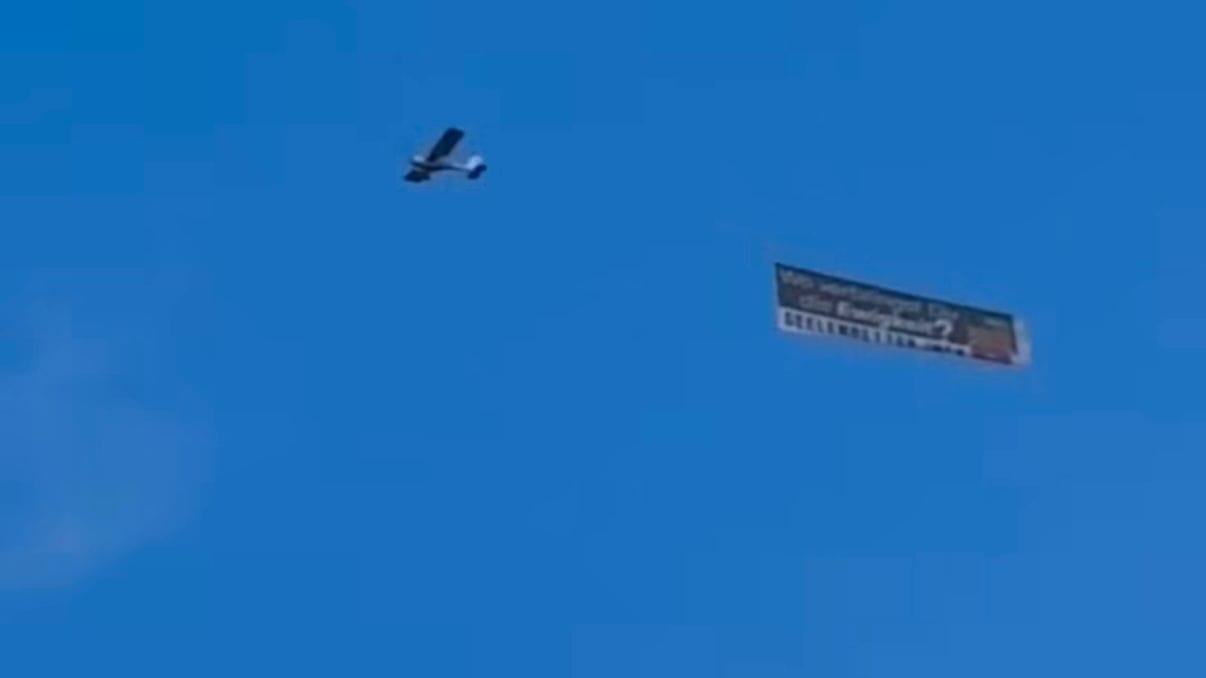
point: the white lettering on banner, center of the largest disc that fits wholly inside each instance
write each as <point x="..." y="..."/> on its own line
<point x="797" y="321"/>
<point x="940" y="328"/>
<point x="852" y="292"/>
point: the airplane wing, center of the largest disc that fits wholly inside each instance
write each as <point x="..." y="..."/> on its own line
<point x="447" y="141"/>
<point x="416" y="176"/>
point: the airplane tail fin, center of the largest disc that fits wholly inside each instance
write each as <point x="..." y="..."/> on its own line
<point x="475" y="166"/>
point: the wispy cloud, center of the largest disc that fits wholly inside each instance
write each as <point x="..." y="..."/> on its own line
<point x="87" y="472"/>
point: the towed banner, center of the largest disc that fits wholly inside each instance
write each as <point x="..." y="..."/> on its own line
<point x="816" y="303"/>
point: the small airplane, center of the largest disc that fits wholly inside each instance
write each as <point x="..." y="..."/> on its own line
<point x="423" y="166"/>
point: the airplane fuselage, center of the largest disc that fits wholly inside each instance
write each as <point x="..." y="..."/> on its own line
<point x="419" y="162"/>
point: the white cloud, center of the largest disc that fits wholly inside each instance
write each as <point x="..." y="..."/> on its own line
<point x="87" y="473"/>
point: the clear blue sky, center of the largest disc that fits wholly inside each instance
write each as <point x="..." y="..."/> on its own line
<point x="266" y="411"/>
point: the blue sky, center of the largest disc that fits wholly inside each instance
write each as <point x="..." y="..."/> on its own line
<point x="265" y="411"/>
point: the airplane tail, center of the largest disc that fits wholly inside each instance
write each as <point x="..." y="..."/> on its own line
<point x="475" y="166"/>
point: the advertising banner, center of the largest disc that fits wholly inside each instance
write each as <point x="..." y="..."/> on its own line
<point x="816" y="303"/>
